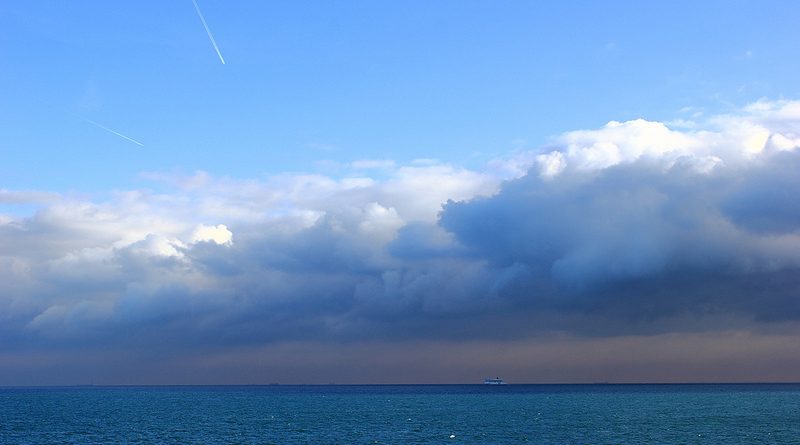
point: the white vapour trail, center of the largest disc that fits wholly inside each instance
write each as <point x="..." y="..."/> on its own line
<point x="208" y="31"/>
<point x="112" y="131"/>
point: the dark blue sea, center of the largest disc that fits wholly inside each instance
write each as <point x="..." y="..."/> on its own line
<point x="403" y="414"/>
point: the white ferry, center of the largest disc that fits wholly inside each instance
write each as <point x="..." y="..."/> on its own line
<point x="494" y="381"/>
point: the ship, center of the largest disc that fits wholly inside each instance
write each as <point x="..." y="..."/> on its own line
<point x="494" y="381"/>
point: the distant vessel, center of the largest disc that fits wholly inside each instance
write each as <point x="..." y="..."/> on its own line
<point x="494" y="381"/>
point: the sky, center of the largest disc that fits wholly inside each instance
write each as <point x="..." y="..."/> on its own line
<point x="399" y="192"/>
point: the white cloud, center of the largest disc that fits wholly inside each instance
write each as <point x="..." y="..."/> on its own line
<point x="366" y="164"/>
<point x="551" y="164"/>
<point x="26" y="197"/>
<point x="732" y="138"/>
<point x="622" y="142"/>
<point x="218" y="234"/>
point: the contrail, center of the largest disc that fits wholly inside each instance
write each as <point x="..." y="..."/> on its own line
<point x="208" y="31"/>
<point x="112" y="131"/>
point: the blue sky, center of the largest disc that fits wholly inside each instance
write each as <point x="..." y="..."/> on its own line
<point x="408" y="192"/>
<point x="311" y="81"/>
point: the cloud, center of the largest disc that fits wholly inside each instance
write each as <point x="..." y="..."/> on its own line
<point x="637" y="221"/>
<point x="218" y="234"/>
<point x="26" y="197"/>
<point x="212" y="260"/>
<point x="366" y="164"/>
<point x="632" y="228"/>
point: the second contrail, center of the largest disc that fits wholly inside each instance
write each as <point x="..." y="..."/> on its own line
<point x="112" y="131"/>
<point x="208" y="31"/>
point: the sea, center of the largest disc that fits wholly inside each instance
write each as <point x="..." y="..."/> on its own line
<point x="403" y="414"/>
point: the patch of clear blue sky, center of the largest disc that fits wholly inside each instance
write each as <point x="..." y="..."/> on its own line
<point x="459" y="81"/>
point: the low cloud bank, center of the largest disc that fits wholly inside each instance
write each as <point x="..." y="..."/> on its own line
<point x="631" y="228"/>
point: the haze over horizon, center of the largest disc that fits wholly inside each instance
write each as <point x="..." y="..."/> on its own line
<point x="399" y="193"/>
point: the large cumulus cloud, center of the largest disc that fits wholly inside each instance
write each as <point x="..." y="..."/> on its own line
<point x="637" y="222"/>
<point x="636" y="226"/>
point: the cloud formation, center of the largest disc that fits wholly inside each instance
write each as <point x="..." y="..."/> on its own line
<point x="631" y="228"/>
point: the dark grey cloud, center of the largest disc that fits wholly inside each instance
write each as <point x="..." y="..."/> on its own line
<point x="643" y="242"/>
<point x="766" y="199"/>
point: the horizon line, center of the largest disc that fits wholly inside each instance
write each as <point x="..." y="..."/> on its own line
<point x="143" y="385"/>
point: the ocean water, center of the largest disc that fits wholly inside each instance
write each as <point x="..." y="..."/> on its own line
<point x="404" y="414"/>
